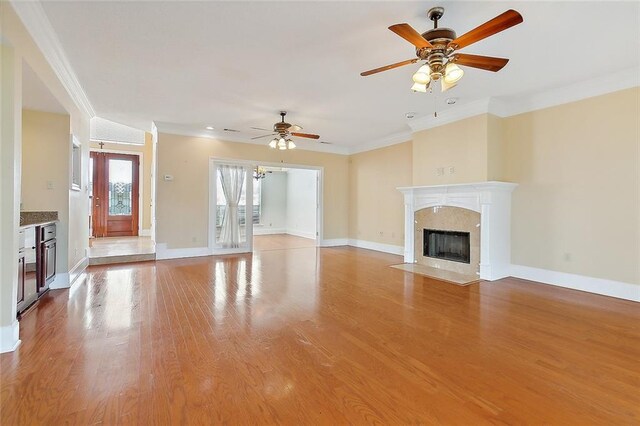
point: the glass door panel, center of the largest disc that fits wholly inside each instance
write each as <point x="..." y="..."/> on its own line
<point x="233" y="215"/>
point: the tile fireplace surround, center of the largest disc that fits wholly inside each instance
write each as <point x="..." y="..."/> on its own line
<point x="492" y="200"/>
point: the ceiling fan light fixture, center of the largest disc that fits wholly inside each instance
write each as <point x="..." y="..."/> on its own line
<point x="290" y="144"/>
<point x="417" y="87"/>
<point x="273" y="143"/>
<point x="282" y="144"/>
<point x="422" y="76"/>
<point x="452" y="73"/>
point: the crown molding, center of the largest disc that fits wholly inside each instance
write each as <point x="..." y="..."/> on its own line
<point x="303" y="145"/>
<point x="613" y="82"/>
<point x="39" y="27"/>
<point x="450" y="115"/>
<point x="393" y="139"/>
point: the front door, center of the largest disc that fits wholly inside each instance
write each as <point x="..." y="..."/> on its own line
<point x="115" y="194"/>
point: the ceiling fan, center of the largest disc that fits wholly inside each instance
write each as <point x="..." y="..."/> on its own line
<point x="283" y="132"/>
<point x="438" y="47"/>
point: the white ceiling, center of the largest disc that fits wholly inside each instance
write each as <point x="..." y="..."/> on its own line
<point x="236" y="64"/>
<point x="35" y="95"/>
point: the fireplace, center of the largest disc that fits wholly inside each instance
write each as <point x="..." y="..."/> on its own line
<point x="482" y="209"/>
<point x="447" y="245"/>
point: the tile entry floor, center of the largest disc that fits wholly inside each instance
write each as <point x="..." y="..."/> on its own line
<point x="120" y="246"/>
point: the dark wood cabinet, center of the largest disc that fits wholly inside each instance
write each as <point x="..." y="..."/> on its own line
<point x="49" y="261"/>
<point x="22" y="274"/>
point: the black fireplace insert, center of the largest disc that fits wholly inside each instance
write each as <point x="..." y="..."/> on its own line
<point x="447" y="245"/>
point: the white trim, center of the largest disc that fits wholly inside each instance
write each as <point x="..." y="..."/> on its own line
<point x="600" y="286"/>
<point x="10" y="337"/>
<point x="295" y="233"/>
<point x="38" y="25"/>
<point x="145" y="233"/>
<point x="67" y="279"/>
<point x="394" y="139"/>
<point x="77" y="270"/>
<point x="371" y="245"/>
<point x="60" y="281"/>
<point x="162" y="252"/>
<point x="609" y="83"/>
<point x="265" y="230"/>
<point x="334" y="242"/>
<point x="301" y="145"/>
<point x="450" y="115"/>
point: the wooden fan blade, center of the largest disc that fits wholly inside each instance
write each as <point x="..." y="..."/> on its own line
<point x="500" y="23"/>
<point x="407" y="32"/>
<point x="264" y="136"/>
<point x="487" y="63"/>
<point x="305" y="135"/>
<point x="389" y="67"/>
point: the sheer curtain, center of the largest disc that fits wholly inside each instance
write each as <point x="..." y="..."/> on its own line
<point x="232" y="180"/>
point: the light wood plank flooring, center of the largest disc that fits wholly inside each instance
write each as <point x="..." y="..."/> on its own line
<point x="280" y="241"/>
<point x="319" y="336"/>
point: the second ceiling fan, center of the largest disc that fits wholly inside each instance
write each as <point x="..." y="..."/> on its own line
<point x="283" y="132"/>
<point x="438" y="48"/>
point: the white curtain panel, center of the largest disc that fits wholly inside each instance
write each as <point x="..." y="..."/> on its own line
<point x="231" y="180"/>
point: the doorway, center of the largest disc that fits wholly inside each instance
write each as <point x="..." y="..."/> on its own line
<point x="114" y="194"/>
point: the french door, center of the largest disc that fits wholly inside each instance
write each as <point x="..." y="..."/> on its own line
<point x="231" y="210"/>
<point x="114" y="206"/>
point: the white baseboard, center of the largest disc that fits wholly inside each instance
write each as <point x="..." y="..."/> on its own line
<point x="162" y="252"/>
<point x="310" y="235"/>
<point x="60" y="281"/>
<point x="370" y="245"/>
<point x="10" y="337"/>
<point x="601" y="286"/>
<point x="335" y="242"/>
<point x="144" y="233"/>
<point x="260" y="230"/>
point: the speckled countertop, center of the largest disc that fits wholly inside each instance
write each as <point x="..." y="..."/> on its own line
<point x="37" y="218"/>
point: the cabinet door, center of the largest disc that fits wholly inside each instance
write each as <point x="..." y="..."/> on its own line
<point x="22" y="271"/>
<point x="49" y="259"/>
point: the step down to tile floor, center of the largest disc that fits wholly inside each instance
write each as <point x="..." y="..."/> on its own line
<point x="124" y="258"/>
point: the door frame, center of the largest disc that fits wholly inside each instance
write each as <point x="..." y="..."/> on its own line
<point x="138" y="178"/>
<point x="253" y="163"/>
<point x="140" y="181"/>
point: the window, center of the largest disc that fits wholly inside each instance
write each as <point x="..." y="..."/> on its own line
<point x="221" y="202"/>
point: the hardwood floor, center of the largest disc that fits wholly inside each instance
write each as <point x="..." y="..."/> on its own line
<point x="319" y="336"/>
<point x="280" y="241"/>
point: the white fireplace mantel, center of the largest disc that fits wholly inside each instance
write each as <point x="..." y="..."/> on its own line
<point x="491" y="199"/>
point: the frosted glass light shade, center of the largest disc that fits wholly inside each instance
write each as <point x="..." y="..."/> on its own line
<point x="273" y="143"/>
<point x="452" y="73"/>
<point x="417" y="87"/>
<point x="422" y="75"/>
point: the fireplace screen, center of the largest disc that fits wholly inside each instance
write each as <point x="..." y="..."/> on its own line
<point x="447" y="245"/>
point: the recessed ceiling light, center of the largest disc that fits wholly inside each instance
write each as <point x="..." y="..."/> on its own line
<point x="451" y="101"/>
<point x="209" y="128"/>
<point x="410" y="115"/>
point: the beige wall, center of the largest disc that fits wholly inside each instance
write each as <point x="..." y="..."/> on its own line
<point x="376" y="207"/>
<point x="147" y="151"/>
<point x="46" y="158"/>
<point x="576" y="207"/>
<point x="19" y="47"/>
<point x="461" y="145"/>
<point x="182" y="204"/>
